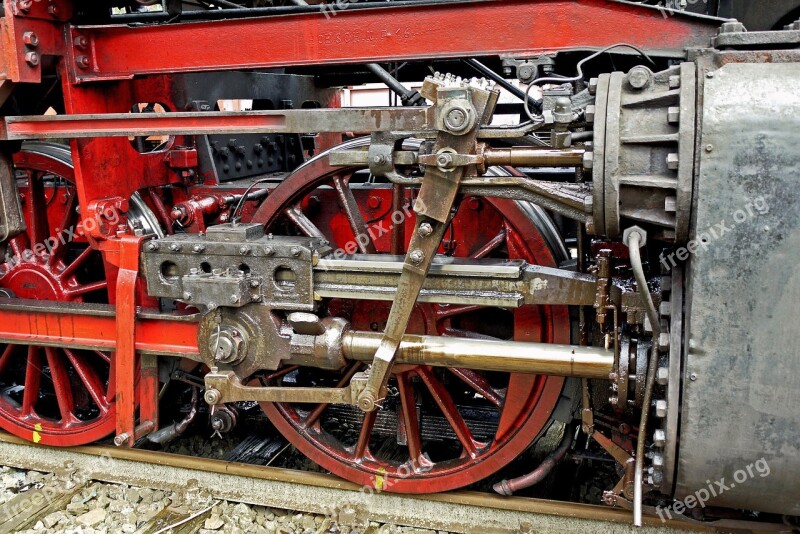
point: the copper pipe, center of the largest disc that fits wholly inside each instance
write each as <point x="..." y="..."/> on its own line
<point x="508" y="487"/>
<point x="523" y="156"/>
<point x="486" y="355"/>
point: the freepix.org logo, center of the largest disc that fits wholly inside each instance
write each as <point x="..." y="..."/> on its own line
<point x="714" y="489"/>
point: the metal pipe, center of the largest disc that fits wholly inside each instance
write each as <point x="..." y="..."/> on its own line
<point x="635" y="240"/>
<point x="486" y="355"/>
<point x="502" y="82"/>
<point x="521" y="156"/>
<point x="407" y="96"/>
<point x="508" y="487"/>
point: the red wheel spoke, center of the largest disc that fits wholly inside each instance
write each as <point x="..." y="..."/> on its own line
<point x="353" y="214"/>
<point x="308" y="228"/>
<point x="36" y="203"/>
<point x="367" y="424"/>
<point x="61" y="384"/>
<point x="458" y="332"/>
<point x="94" y="386"/>
<point x="76" y="263"/>
<point x="33" y="375"/>
<point x="408" y="406"/>
<point x="444" y="312"/>
<point x="479" y="383"/>
<point x="280" y="373"/>
<point x="493" y="244"/>
<point x="104" y="356"/>
<point x="70" y="216"/>
<point x="86" y="288"/>
<point x="398" y="230"/>
<point x="6" y="357"/>
<point x="450" y="411"/>
<point x="19" y="246"/>
<point x="314" y="416"/>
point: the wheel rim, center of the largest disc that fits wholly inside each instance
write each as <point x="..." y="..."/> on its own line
<point x="53" y="395"/>
<point x="425" y="401"/>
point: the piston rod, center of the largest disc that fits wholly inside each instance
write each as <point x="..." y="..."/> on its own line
<point x="486" y="355"/>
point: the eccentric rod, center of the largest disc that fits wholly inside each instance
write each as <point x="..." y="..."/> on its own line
<point x="486" y="355"/>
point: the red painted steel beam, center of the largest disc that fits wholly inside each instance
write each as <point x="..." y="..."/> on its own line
<point x="56" y="326"/>
<point x="450" y="30"/>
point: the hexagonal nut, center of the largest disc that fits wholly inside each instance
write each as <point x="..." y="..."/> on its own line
<point x="733" y="26"/>
<point x="662" y="376"/>
<point x="663" y="341"/>
<point x="674" y="115"/>
<point x="661" y="408"/>
<point x="658" y="461"/>
<point x="593" y="83"/>
<point x="590" y="112"/>
<point x="588" y="160"/>
<point x="659" y="438"/>
<point x="673" y="161"/>
<point x="635" y="229"/>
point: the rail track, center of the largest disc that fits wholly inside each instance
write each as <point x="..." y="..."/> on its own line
<point x="340" y="501"/>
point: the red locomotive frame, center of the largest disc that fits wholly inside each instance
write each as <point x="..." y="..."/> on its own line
<point x="106" y="70"/>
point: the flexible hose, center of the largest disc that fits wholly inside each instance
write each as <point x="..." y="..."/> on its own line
<point x="634" y="243"/>
<point x="508" y="487"/>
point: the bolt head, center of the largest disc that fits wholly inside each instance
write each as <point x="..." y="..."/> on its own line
<point x="175" y="247"/>
<point x="693" y="377"/>
<point x="82" y="61"/>
<point x="673" y="161"/>
<point x="674" y="115"/>
<point x="593" y="83"/>
<point x="639" y="77"/>
<point x="152" y="246"/>
<point x="425" y="229"/>
<point x="81" y="41"/>
<point x="244" y="250"/>
<point x="659" y="438"/>
<point x="444" y="161"/>
<point x="24" y="5"/>
<point x="30" y="39"/>
<point x="590" y="113"/>
<point x="198" y="248"/>
<point x="212" y="396"/>
<point x="662" y="376"/>
<point x="187" y="295"/>
<point x="674" y="82"/>
<point x="588" y="160"/>
<point x="416" y="256"/>
<point x="32" y="58"/>
<point x="661" y="408"/>
<point x="296" y="251"/>
<point x="53" y="10"/>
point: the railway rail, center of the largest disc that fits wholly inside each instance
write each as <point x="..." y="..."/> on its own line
<point x="347" y="503"/>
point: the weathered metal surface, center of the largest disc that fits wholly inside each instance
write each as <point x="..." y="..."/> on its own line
<point x="77" y="126"/>
<point x="463" y="512"/>
<point x="645" y="125"/>
<point x="741" y="387"/>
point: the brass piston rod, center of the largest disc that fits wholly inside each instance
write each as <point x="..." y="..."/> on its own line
<point x="486" y="355"/>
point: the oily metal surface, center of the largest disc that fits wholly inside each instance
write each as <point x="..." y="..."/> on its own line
<point x="466" y="512"/>
<point x="742" y="374"/>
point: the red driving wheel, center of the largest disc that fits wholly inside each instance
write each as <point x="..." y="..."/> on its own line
<point x="438" y="429"/>
<point x="53" y="395"/>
